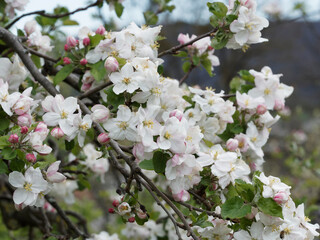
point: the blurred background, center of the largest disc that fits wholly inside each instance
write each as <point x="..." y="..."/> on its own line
<point x="293" y="151"/>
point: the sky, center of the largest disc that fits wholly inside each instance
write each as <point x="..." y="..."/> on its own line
<point x="191" y="11"/>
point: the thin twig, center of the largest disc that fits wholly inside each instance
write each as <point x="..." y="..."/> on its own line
<point x="187" y="74"/>
<point x="173" y="50"/>
<point x="34" y="52"/>
<point x="94" y="90"/>
<point x="44" y="14"/>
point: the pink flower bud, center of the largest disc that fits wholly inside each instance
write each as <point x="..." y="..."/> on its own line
<point x="261" y="109"/>
<point x="111" y="210"/>
<point x="111" y="64"/>
<point x="41" y="127"/>
<point x="115" y="203"/>
<point x="131" y="220"/>
<point x="278" y="105"/>
<point x="24" y="120"/>
<point x="66" y="48"/>
<point x="24" y="130"/>
<point x="141" y="214"/>
<point x="31" y="158"/>
<point x="72" y="42"/>
<point x="101" y="30"/>
<point x="103" y="138"/>
<point x="100" y="113"/>
<point x="57" y="132"/>
<point x="86" y="86"/>
<point x="281" y="197"/>
<point x="66" y="60"/>
<point x="83" y="61"/>
<point x="86" y="41"/>
<point x="176" y="113"/>
<point x="232" y="144"/>
<point x="14" y="138"/>
<point x="253" y="166"/>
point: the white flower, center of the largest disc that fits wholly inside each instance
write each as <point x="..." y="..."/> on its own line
<point x="125" y="80"/>
<point x="255" y="232"/>
<point x="64" y="190"/>
<point x="123" y="126"/>
<point x="28" y="185"/>
<point x="103" y="236"/>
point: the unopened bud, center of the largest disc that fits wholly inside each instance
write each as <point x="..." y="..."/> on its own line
<point x="100" y="113"/>
<point x="24" y="120"/>
<point x="101" y="30"/>
<point x="103" y="138"/>
<point x="281" y="197"/>
<point x="232" y="144"/>
<point x="86" y="41"/>
<point x="131" y="220"/>
<point x="111" y="210"/>
<point x="278" y="105"/>
<point x="14" y="138"/>
<point x="66" y="60"/>
<point x="24" y="130"/>
<point x="261" y="109"/>
<point x="83" y="61"/>
<point x="111" y="64"/>
<point x="57" y="132"/>
<point x="72" y="42"/>
<point x="66" y="48"/>
<point x="31" y="158"/>
<point x="115" y="203"/>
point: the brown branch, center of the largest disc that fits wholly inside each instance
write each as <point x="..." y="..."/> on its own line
<point x="173" y="50"/>
<point x="44" y="14"/>
<point x="187" y="74"/>
<point x="94" y="90"/>
<point x="81" y="219"/>
<point x="64" y="216"/>
<point x="34" y="52"/>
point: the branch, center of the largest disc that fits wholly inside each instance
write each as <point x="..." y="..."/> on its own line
<point x="94" y="90"/>
<point x="44" y="14"/>
<point x="187" y="74"/>
<point x="34" y="52"/>
<point x="173" y="50"/>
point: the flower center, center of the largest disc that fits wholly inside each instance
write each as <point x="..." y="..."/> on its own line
<point x="84" y="127"/>
<point x="27" y="187"/>
<point x="267" y="91"/>
<point x="123" y="125"/>
<point x="156" y="91"/>
<point x="167" y="135"/>
<point x="126" y="80"/>
<point x="148" y="123"/>
<point x="64" y="114"/>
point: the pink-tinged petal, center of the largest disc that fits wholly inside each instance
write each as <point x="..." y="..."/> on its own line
<point x="16" y="179"/>
<point x="42" y="149"/>
<point x="57" y="178"/>
<point x="53" y="168"/>
<point x="19" y="196"/>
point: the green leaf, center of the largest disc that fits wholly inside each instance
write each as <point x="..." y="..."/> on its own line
<point x="16" y="165"/>
<point x="3" y="167"/>
<point x="218" y="9"/>
<point x="9" y="153"/>
<point x="118" y="8"/>
<point x="69" y="22"/>
<point x="36" y="60"/>
<point x="4" y="124"/>
<point x="159" y="161"/>
<point x="160" y="69"/>
<point x="83" y="183"/>
<point x="63" y="74"/>
<point x="236" y="83"/>
<point x="4" y="142"/>
<point x="245" y="190"/>
<point x="235" y="208"/>
<point x="269" y="207"/>
<point x="206" y="63"/>
<point x="150" y="17"/>
<point x="245" y="88"/>
<point x="236" y="129"/>
<point x="245" y="75"/>
<point x="95" y="40"/>
<point x="218" y="43"/>
<point x="231" y="17"/>
<point x="186" y="66"/>
<point x="140" y="221"/>
<point x="69" y="145"/>
<point x="113" y="99"/>
<point x="98" y="71"/>
<point x="181" y="54"/>
<point x="20" y="33"/>
<point x="147" y="164"/>
<point x="196" y="60"/>
<point x="45" y="21"/>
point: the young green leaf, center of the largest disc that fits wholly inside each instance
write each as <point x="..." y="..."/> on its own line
<point x="63" y="74"/>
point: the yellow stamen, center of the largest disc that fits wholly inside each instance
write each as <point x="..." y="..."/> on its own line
<point x="64" y="114"/>
<point x="148" y="123"/>
<point x="27" y="187"/>
<point x="167" y="135"/>
<point x="123" y="125"/>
